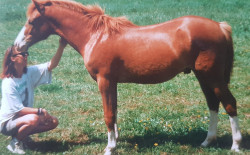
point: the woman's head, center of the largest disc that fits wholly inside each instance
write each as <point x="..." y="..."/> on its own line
<point x="13" y="58"/>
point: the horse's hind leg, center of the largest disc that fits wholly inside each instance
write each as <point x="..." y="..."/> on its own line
<point x="213" y="104"/>
<point x="225" y="96"/>
<point x="216" y="90"/>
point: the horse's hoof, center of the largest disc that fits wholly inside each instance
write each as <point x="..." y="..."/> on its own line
<point x="235" y="148"/>
<point x="204" y="144"/>
<point x="109" y="151"/>
<point x="208" y="141"/>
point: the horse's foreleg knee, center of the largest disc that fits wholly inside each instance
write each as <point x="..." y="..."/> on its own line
<point x="236" y="134"/>
<point x="212" y="129"/>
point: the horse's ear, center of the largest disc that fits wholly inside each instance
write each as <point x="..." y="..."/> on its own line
<point x="40" y="7"/>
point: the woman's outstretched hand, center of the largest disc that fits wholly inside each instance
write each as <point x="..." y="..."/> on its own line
<point x="63" y="43"/>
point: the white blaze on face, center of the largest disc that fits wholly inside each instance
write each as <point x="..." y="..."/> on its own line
<point x="20" y="41"/>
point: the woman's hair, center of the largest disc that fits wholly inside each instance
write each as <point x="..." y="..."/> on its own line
<point x="9" y="70"/>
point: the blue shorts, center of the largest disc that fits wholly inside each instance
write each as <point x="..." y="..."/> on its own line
<point x="9" y="127"/>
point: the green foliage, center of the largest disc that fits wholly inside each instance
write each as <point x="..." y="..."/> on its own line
<point x="166" y="118"/>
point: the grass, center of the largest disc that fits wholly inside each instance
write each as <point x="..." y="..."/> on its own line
<point x="166" y="118"/>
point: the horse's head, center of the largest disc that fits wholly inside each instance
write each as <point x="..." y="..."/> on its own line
<point x="35" y="29"/>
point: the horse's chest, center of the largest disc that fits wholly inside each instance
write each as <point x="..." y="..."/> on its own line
<point x="89" y="47"/>
<point x="95" y="39"/>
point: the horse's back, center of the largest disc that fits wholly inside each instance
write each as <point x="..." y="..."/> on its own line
<point x="156" y="53"/>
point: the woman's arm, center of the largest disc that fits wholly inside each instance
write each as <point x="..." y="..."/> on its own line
<point x="56" y="58"/>
<point x="44" y="116"/>
<point x="28" y="110"/>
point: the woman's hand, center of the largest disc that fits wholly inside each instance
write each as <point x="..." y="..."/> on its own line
<point x="45" y="113"/>
<point x="56" y="58"/>
<point x="46" y="117"/>
<point x="63" y="43"/>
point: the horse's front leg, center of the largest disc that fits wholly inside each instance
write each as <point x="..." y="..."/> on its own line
<point x="108" y="90"/>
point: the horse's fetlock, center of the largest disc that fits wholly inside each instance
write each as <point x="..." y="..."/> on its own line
<point x="238" y="138"/>
<point x="235" y="147"/>
<point x="109" y="150"/>
<point x="208" y="141"/>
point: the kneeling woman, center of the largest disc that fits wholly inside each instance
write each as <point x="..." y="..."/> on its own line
<point x="18" y="118"/>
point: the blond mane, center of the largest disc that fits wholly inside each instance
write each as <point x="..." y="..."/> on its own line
<point x="98" y="20"/>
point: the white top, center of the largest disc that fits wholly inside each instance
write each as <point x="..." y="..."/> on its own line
<point x="18" y="93"/>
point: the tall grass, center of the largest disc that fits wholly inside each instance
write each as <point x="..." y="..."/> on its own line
<point x="166" y="118"/>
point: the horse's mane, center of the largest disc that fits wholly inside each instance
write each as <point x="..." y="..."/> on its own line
<point x="98" y="20"/>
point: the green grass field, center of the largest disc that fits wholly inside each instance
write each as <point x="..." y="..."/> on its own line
<point x="166" y="118"/>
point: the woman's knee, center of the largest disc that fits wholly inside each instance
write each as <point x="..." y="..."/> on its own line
<point x="55" y="121"/>
<point x="52" y="122"/>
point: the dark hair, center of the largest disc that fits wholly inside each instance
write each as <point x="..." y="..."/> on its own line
<point x="8" y="65"/>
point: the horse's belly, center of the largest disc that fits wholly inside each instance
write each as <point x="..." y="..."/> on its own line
<point x="151" y="67"/>
<point x="148" y="74"/>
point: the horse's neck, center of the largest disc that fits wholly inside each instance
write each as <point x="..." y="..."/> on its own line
<point x="75" y="28"/>
<point x="83" y="39"/>
<point x="77" y="37"/>
<point x="69" y="25"/>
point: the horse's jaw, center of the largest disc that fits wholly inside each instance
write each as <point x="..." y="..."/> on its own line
<point x="21" y="42"/>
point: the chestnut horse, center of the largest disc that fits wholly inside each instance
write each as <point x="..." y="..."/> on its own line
<point x="115" y="50"/>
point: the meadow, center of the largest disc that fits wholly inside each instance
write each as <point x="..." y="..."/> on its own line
<point x="167" y="118"/>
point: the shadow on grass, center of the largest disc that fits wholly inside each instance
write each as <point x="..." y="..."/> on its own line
<point x="56" y="146"/>
<point x="193" y="138"/>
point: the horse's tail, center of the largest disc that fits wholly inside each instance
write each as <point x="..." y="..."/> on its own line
<point x="227" y="31"/>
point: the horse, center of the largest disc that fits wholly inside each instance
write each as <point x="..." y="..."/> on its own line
<point x="115" y="50"/>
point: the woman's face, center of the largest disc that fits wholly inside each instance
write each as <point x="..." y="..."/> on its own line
<point x="19" y="58"/>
